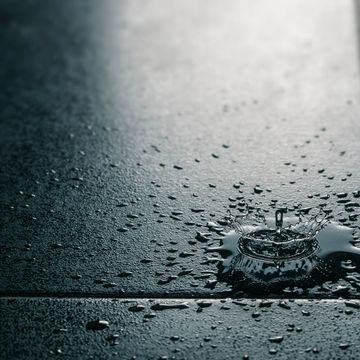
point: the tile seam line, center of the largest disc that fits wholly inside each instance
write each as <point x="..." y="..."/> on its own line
<point x="134" y="298"/>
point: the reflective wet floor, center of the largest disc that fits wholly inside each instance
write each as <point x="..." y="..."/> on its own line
<point x="180" y="329"/>
<point x="136" y="135"/>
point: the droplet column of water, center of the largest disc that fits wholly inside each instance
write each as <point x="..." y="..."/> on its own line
<point x="279" y="216"/>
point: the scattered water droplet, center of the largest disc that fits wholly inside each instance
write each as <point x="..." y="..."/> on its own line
<point x="97" y="325"/>
<point x="136" y="308"/>
<point x="167" y="306"/>
<point x="276" y="339"/>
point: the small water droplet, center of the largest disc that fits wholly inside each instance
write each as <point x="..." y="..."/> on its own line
<point x="97" y="325"/>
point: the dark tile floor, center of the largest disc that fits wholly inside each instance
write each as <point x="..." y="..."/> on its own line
<point x="124" y="127"/>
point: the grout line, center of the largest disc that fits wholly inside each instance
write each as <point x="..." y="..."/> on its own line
<point x="74" y="296"/>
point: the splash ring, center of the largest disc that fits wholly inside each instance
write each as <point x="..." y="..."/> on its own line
<point x="272" y="246"/>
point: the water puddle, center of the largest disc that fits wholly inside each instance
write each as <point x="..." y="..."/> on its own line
<point x="262" y="254"/>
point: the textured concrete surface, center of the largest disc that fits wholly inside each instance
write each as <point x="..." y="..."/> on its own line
<point x="228" y="329"/>
<point x="125" y="126"/>
<point x="95" y="96"/>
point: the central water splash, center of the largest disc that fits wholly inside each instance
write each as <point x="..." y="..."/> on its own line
<point x="279" y="242"/>
<point x="282" y="251"/>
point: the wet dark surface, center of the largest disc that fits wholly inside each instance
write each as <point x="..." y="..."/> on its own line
<point x="127" y="126"/>
<point x="113" y="104"/>
<point x="198" y="330"/>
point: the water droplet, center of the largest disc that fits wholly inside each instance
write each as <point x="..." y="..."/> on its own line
<point x="136" y="308"/>
<point x="97" y="325"/>
<point x="167" y="306"/>
<point x="276" y="339"/>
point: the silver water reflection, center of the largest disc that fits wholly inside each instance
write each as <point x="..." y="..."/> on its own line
<point x="282" y="251"/>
